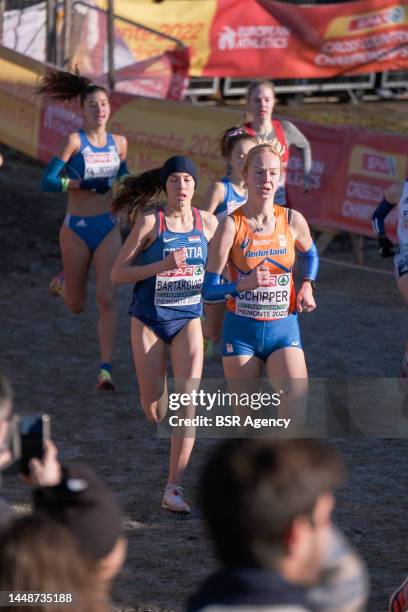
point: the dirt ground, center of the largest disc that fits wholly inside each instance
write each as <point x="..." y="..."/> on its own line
<point x="51" y="356"/>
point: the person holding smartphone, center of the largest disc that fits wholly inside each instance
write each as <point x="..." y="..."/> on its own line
<point x="164" y="257"/>
<point x="43" y="471"/>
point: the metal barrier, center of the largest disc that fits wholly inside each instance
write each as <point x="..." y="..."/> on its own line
<point x="238" y="87"/>
<point x="204" y="86"/>
<point x="397" y="78"/>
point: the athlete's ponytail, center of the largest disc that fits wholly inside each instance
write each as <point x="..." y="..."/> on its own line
<point x="137" y="193"/>
<point x="62" y="85"/>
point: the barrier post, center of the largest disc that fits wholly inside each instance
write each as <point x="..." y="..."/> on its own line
<point x="51" y="40"/>
<point x="111" y="43"/>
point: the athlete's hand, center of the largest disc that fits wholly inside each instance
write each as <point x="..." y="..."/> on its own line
<point x="307" y="183"/>
<point x="97" y="185"/>
<point x="259" y="277"/>
<point x="176" y="259"/>
<point x="385" y="247"/>
<point x="305" y="301"/>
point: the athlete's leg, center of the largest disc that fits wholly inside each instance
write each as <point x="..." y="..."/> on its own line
<point x="104" y="257"/>
<point x="212" y="324"/>
<point x="287" y="370"/>
<point x="76" y="259"/>
<point x="150" y="358"/>
<point x="243" y="374"/>
<point x="187" y="360"/>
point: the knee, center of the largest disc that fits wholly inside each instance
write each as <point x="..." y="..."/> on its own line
<point x="75" y="305"/>
<point x="152" y="411"/>
<point x="105" y="301"/>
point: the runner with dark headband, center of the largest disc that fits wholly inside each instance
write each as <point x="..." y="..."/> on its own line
<point x="164" y="257"/>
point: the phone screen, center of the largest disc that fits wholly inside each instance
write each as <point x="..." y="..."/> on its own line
<point x="33" y="430"/>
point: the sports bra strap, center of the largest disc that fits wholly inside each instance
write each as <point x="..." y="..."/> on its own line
<point x="83" y="141"/>
<point x="198" y="222"/>
<point x="110" y="141"/>
<point x="161" y="225"/>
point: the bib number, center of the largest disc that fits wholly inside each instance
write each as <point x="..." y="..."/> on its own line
<point x="270" y="302"/>
<point x="180" y="287"/>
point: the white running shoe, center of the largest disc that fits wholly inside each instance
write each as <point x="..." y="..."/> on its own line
<point x="173" y="499"/>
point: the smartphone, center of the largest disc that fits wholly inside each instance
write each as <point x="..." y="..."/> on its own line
<point x="34" y="429"/>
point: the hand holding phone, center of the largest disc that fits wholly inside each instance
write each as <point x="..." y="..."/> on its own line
<point x="34" y="431"/>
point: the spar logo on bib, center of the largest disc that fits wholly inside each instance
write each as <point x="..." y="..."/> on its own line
<point x="283" y="280"/>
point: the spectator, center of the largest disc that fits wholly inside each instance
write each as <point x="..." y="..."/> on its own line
<point x="268" y="507"/>
<point x="6" y="410"/>
<point x="86" y="506"/>
<point x="45" y="472"/>
<point x="41" y="556"/>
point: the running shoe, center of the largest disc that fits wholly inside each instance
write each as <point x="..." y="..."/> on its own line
<point x="173" y="499"/>
<point x="56" y="284"/>
<point x="105" y="382"/>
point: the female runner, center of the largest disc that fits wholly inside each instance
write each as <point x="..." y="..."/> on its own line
<point x="90" y="159"/>
<point x="222" y="198"/>
<point x="396" y="195"/>
<point x="258" y="242"/>
<point x="227" y="194"/>
<point x="261" y="100"/>
<point x="164" y="256"/>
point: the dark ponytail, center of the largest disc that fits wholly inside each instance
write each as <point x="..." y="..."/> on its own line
<point x="137" y="193"/>
<point x="61" y="85"/>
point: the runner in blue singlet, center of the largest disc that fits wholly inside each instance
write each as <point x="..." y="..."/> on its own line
<point x="164" y="257"/>
<point x="89" y="162"/>
<point x="222" y="198"/>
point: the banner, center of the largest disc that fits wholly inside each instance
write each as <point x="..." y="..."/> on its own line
<point x="265" y="38"/>
<point x="351" y="167"/>
<point x="160" y="72"/>
<point x="351" y="170"/>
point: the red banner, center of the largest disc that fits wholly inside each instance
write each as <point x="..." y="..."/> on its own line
<point x="264" y="38"/>
<point x="163" y="73"/>
<point x="351" y="170"/>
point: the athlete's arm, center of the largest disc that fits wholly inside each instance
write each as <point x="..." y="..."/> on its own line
<point x="122" y="147"/>
<point x="295" y="137"/>
<point x="210" y="224"/>
<point x="213" y="197"/>
<point x="221" y="244"/>
<point x="51" y="180"/>
<point x="219" y="248"/>
<point x="141" y="236"/>
<point x="392" y="196"/>
<point x="310" y="261"/>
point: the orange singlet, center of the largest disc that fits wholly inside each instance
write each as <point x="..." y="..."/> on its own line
<point x="277" y="251"/>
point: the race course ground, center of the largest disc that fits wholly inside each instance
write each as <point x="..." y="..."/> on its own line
<point x="358" y="331"/>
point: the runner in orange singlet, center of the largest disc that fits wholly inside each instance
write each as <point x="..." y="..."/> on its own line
<point x="258" y="242"/>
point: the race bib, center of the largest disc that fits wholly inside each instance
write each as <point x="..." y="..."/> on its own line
<point x="101" y="165"/>
<point x="271" y="302"/>
<point x="180" y="287"/>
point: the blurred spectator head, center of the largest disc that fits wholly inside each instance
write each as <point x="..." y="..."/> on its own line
<point x="6" y="411"/>
<point x="269" y="503"/>
<point x="37" y="554"/>
<point x="87" y="507"/>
